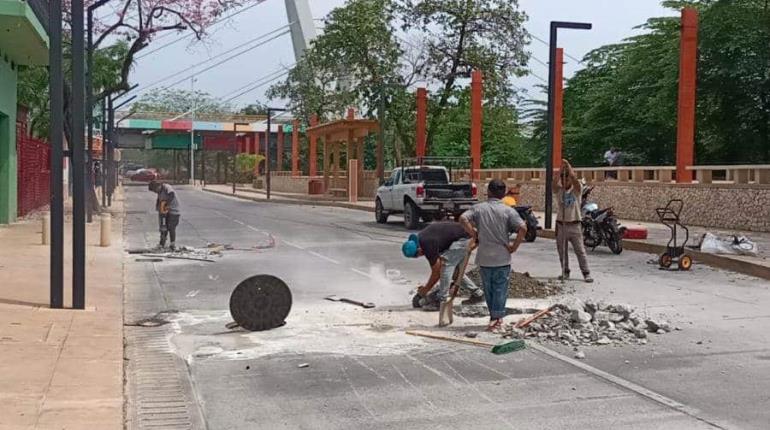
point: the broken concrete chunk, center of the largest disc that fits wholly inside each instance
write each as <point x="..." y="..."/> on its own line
<point x="617" y="317"/>
<point x="640" y="333"/>
<point x="600" y="316"/>
<point x="579" y="315"/>
<point x="604" y="340"/>
<point x="652" y="325"/>
<point x="580" y="355"/>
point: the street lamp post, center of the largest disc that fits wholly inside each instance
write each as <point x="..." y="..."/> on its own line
<point x="555" y="26"/>
<point x="192" y="132"/>
<point x="267" y="147"/>
<point x="56" y="134"/>
<point x="90" y="102"/>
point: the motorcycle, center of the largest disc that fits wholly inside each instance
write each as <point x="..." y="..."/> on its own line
<point x="525" y="212"/>
<point x="600" y="226"/>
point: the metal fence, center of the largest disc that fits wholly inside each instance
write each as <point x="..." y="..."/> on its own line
<point x="33" y="157"/>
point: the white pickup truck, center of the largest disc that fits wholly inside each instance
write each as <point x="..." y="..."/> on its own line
<point x="422" y="192"/>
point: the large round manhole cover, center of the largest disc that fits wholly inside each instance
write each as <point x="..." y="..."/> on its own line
<point x="260" y="302"/>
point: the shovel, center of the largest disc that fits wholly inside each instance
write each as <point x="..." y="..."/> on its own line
<point x="366" y="305"/>
<point x="445" y="311"/>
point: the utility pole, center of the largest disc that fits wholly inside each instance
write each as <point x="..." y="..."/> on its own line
<point x="192" y="133"/>
<point x="267" y="146"/>
<point x="90" y="104"/>
<point x="78" y="152"/>
<point x="56" y="132"/>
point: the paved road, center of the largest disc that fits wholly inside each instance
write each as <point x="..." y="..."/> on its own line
<point x="365" y="372"/>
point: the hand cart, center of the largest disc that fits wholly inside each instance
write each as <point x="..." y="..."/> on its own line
<point x="670" y="217"/>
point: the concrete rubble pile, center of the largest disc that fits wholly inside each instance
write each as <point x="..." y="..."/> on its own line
<point x="578" y="323"/>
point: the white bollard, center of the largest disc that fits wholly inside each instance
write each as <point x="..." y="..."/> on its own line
<point x="46" y="229"/>
<point x="106" y="228"/>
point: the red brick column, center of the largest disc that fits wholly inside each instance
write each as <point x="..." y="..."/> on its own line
<point x="422" y="116"/>
<point x="295" y="148"/>
<point x="313" y="168"/>
<point x="279" y="150"/>
<point x="477" y="87"/>
<point x="558" y="111"/>
<point x="685" y="133"/>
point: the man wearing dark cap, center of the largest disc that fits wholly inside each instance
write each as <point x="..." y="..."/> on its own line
<point x="444" y="245"/>
<point x="491" y="223"/>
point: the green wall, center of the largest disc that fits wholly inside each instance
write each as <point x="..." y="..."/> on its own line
<point x="8" y="76"/>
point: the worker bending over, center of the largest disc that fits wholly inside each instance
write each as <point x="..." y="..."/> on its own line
<point x="491" y="223"/>
<point x="444" y="245"/>
<point x="167" y="205"/>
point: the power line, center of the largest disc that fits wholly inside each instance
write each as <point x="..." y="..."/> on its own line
<point x="180" y="38"/>
<point x="548" y="44"/>
<point x="258" y="85"/>
<point x="237" y="54"/>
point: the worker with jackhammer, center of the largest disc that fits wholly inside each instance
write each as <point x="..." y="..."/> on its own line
<point x="167" y="205"/>
<point x="444" y="245"/>
<point x="568" y="193"/>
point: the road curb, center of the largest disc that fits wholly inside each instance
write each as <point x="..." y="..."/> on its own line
<point x="713" y="260"/>
<point x="285" y="201"/>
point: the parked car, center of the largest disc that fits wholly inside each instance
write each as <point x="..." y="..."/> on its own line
<point x="144" y="175"/>
<point x="423" y="192"/>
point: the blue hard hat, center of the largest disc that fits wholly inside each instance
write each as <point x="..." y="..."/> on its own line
<point x="409" y="248"/>
<point x="414" y="238"/>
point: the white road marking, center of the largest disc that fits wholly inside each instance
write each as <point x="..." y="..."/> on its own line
<point x="323" y="257"/>
<point x="362" y="273"/>
<point x="292" y="244"/>
<point x="192" y="293"/>
<point x="239" y="222"/>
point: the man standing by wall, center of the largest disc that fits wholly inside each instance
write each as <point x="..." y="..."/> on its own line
<point x="568" y="194"/>
<point x="491" y="223"/>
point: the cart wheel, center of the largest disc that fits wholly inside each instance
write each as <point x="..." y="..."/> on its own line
<point x="685" y="262"/>
<point x="665" y="261"/>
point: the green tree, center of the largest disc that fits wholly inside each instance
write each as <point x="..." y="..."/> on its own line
<point x="463" y="35"/>
<point x="180" y="101"/>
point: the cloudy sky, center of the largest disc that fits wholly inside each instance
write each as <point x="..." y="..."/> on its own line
<point x="239" y="78"/>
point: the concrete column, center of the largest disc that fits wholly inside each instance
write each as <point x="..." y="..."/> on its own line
<point x="279" y="150"/>
<point x="422" y="118"/>
<point x="477" y="87"/>
<point x="8" y="162"/>
<point x="704" y="176"/>
<point x="312" y="144"/>
<point x="685" y="135"/>
<point x="295" y="148"/>
<point x="352" y="181"/>
<point x="558" y="111"/>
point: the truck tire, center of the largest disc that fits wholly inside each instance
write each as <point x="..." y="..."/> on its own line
<point x="427" y="217"/>
<point x="379" y="213"/>
<point x="411" y="216"/>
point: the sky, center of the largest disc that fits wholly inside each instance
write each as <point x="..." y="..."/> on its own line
<point x="238" y="80"/>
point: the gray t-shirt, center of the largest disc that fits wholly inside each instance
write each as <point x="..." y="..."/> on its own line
<point x="495" y="222"/>
<point x="167" y="194"/>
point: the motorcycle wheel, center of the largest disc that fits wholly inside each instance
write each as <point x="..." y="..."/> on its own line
<point x="616" y="245"/>
<point x="531" y="234"/>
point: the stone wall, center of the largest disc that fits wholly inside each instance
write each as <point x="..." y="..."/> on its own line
<point x="728" y="206"/>
<point x="299" y="185"/>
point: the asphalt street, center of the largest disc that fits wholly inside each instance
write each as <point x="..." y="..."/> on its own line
<point x="363" y="371"/>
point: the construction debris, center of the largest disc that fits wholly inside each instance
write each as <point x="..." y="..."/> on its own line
<point x="523" y="286"/>
<point x="578" y="323"/>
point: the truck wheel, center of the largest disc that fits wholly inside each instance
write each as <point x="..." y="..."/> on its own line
<point x="411" y="216"/>
<point x="379" y="213"/>
<point x="427" y="218"/>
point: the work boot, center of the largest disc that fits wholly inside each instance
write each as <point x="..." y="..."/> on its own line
<point x="472" y="300"/>
<point x="587" y="277"/>
<point x="172" y="246"/>
<point x="564" y="276"/>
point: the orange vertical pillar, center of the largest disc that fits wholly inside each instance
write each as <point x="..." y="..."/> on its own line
<point x="422" y="117"/>
<point x="312" y="147"/>
<point x="351" y="114"/>
<point x="558" y="111"/>
<point x="685" y="132"/>
<point x="256" y="142"/>
<point x="295" y="148"/>
<point x="279" y="156"/>
<point x="477" y="87"/>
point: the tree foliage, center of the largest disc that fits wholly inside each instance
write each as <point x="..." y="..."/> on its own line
<point x="626" y="96"/>
<point x="180" y="101"/>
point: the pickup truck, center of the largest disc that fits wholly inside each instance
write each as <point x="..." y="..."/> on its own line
<point x="422" y="192"/>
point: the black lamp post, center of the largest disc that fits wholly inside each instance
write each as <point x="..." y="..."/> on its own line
<point x="90" y="100"/>
<point x="555" y="26"/>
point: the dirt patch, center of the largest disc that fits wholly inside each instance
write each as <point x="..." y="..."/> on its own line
<point x="523" y="286"/>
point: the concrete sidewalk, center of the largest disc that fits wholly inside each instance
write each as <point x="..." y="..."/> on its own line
<point x="60" y="369"/>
